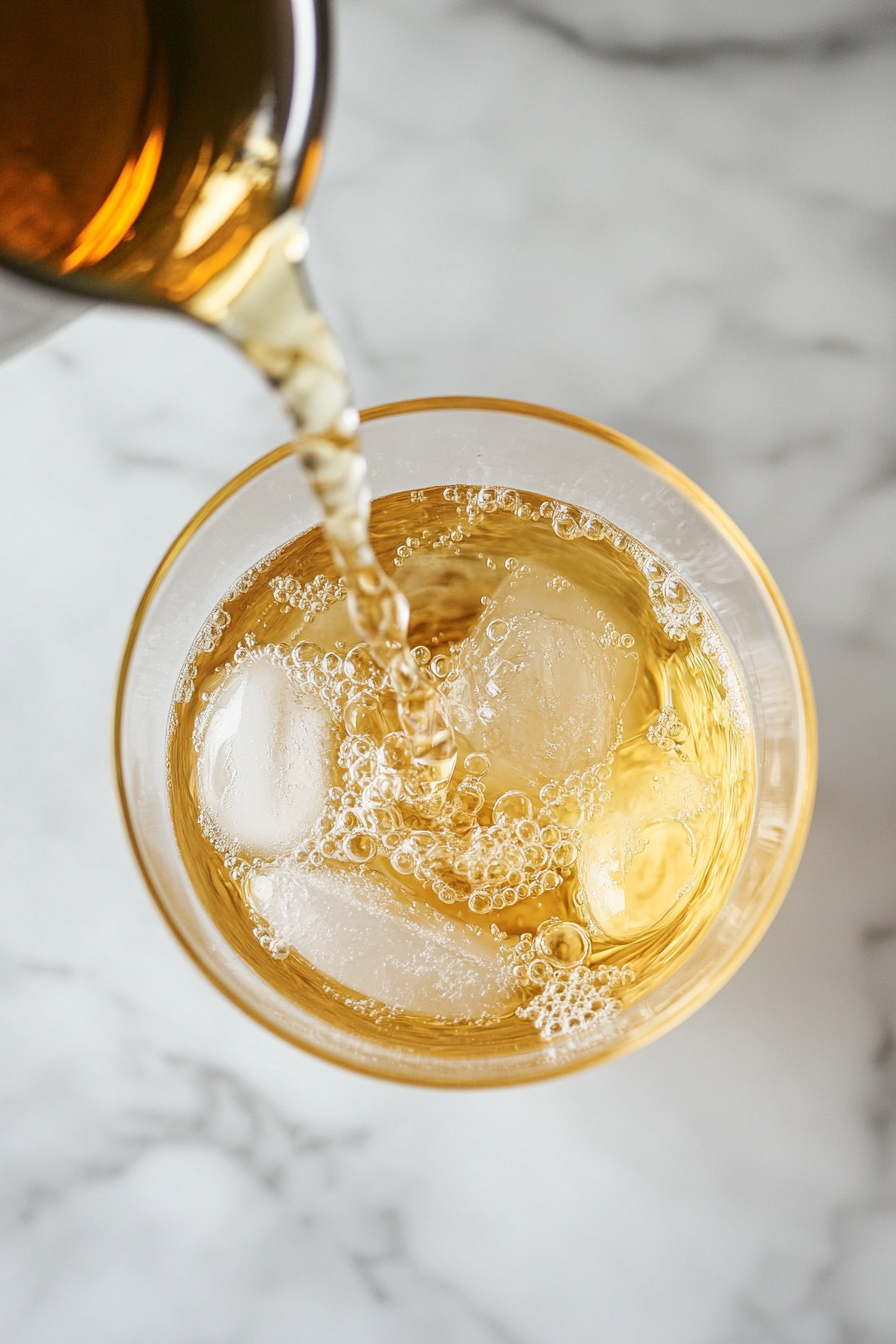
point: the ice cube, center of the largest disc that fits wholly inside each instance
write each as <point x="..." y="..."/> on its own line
<point x="265" y="758"/>
<point x="644" y="855"/>
<point x="357" y="930"/>
<point x="537" y="686"/>
<point x="601" y="869"/>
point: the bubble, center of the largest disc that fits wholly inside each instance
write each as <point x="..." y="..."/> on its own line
<point x="359" y="663"/>
<point x="674" y="592"/>
<point x="496" y="871"/>
<point x="305" y="652"/>
<point x="476" y="763"/>
<point x="403" y="862"/>
<point x="363" y="715"/>
<point x="546" y="508"/>
<point x="360" y="847"/>
<point x="421" y="654"/>
<point x="469" y="797"/>
<point x="480" y="903"/>
<point x="496" y="631"/>
<point x="550" y="880"/>
<point x="550" y="835"/>
<point x="512" y="806"/>
<point x="396" y="752"/>
<point x="627" y="641"/>
<point x="440" y="665"/>
<point x="536" y="856"/>
<point x="511" y="564"/>
<point x="539" y="971"/>
<point x="565" y="523"/>
<point x="564" y="854"/>
<point x="508" y="500"/>
<point x="591" y="526"/>
<point x="331" y="664"/>
<point x="568" y="811"/>
<point x="487" y="499"/>
<point x="563" y="943"/>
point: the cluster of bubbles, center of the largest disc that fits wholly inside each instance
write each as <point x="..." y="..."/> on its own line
<point x="577" y="1000"/>
<point x="474" y="502"/>
<point x="440" y="830"/>
<point x="569" y="996"/>
<point x="667" y="731"/>
<point x="310" y="598"/>
<point x="209" y="636"/>
<point x="272" y="943"/>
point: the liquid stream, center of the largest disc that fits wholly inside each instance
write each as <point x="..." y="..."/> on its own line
<point x="263" y="303"/>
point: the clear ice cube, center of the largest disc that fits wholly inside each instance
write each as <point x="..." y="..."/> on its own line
<point x="538" y="685"/>
<point x="636" y="862"/>
<point x="356" y="929"/>
<point x="265" y="759"/>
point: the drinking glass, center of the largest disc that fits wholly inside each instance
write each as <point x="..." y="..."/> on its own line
<point x="433" y="443"/>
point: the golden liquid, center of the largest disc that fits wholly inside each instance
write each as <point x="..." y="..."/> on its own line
<point x="140" y="139"/>
<point x="653" y="806"/>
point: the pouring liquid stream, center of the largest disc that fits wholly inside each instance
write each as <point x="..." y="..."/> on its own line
<point x="263" y="303"/>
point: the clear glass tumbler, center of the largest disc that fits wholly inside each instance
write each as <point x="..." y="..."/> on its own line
<point x="419" y="445"/>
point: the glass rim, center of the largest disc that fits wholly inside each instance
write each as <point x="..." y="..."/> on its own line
<point x="742" y="547"/>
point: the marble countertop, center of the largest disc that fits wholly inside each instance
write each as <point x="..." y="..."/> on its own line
<point x="675" y="216"/>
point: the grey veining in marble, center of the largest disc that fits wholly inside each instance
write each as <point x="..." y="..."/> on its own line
<point x="679" y="218"/>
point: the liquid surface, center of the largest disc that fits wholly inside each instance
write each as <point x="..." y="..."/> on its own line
<point x="586" y="837"/>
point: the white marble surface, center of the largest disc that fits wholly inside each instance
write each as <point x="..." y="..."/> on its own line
<point x="677" y="218"/>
